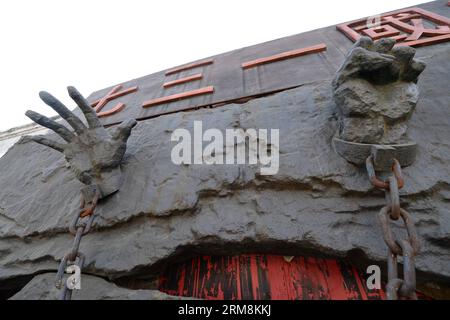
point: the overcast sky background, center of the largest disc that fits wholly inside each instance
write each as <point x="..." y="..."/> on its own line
<point x="93" y="44"/>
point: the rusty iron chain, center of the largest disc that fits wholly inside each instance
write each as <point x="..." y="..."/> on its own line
<point x="396" y="169"/>
<point x="80" y="226"/>
<point x="407" y="248"/>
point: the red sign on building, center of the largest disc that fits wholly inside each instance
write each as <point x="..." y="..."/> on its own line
<point x="409" y="27"/>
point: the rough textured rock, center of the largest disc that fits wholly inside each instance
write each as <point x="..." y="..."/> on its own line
<point x="317" y="202"/>
<point x="42" y="287"/>
<point x="375" y="92"/>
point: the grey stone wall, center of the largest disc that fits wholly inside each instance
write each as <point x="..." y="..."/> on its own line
<point x="317" y="203"/>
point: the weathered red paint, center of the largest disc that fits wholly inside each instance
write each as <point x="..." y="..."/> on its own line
<point x="266" y="277"/>
<point x="258" y="276"/>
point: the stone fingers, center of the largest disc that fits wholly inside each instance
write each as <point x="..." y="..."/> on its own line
<point x="123" y="131"/>
<point x="46" y="142"/>
<point x="83" y="104"/>
<point x="58" y="128"/>
<point x="63" y="111"/>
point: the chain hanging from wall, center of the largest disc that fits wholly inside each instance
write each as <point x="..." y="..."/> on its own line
<point x="94" y="155"/>
<point x="375" y="92"/>
<point x="80" y="226"/>
<point x="407" y="248"/>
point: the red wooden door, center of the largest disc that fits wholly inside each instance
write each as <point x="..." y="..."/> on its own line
<point x="257" y="276"/>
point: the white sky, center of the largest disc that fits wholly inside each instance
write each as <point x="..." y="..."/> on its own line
<point x="92" y="44"/>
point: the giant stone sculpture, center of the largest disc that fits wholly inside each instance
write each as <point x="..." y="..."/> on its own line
<point x="375" y="92"/>
<point x="94" y="154"/>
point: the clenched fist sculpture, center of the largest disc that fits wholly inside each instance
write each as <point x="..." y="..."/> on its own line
<point x="93" y="153"/>
<point x="375" y="92"/>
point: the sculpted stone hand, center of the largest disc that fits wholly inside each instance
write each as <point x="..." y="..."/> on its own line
<point x="375" y="92"/>
<point x="93" y="153"/>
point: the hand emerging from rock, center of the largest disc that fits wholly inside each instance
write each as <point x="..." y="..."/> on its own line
<point x="375" y="91"/>
<point x="93" y="153"/>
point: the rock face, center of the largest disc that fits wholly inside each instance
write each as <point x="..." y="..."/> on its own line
<point x="375" y="91"/>
<point x="93" y="288"/>
<point x="317" y="203"/>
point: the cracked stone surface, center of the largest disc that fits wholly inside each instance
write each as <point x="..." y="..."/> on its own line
<point x="42" y="287"/>
<point x="163" y="213"/>
<point x="375" y="91"/>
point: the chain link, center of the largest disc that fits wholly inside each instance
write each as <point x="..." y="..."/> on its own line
<point x="407" y="248"/>
<point x="80" y="226"/>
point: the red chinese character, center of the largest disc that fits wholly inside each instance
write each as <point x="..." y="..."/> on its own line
<point x="111" y="95"/>
<point x="407" y="27"/>
<point x="185" y="94"/>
